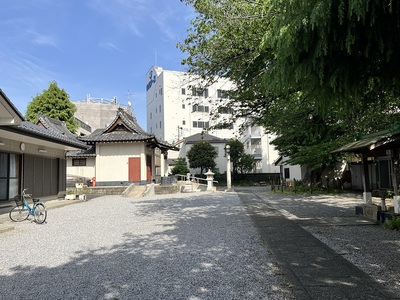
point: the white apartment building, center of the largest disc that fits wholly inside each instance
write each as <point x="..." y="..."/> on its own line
<point x="180" y="106"/>
<point x="258" y="143"/>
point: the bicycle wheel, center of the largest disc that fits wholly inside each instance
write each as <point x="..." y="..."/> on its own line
<point x="19" y="213"/>
<point x="40" y="213"/>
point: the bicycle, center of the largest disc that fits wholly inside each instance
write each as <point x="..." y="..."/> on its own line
<point x="23" y="210"/>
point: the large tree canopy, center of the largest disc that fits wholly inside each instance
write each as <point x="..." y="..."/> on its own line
<point x="335" y="49"/>
<point x="202" y="155"/>
<point x="53" y="102"/>
<point x="316" y="73"/>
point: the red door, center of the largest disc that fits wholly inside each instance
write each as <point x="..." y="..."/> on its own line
<point x="134" y="169"/>
<point x="148" y="167"/>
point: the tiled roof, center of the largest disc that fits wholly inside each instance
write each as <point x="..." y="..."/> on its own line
<point x="125" y="128"/>
<point x="41" y="132"/>
<point x="371" y="141"/>
<point x="205" y="137"/>
<point x="91" y="152"/>
<point x="54" y="125"/>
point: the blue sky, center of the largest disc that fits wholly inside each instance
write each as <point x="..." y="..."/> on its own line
<point x="99" y="47"/>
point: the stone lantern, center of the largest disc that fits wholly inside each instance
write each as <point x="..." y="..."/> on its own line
<point x="210" y="179"/>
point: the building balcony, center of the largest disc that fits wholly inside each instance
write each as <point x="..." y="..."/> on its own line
<point x="256" y="152"/>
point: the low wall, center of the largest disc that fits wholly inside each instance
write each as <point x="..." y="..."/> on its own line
<point x="98" y="190"/>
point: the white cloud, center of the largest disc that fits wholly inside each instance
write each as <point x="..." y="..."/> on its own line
<point x="137" y="16"/>
<point x="43" y="39"/>
<point x="25" y="69"/>
<point x="109" y="46"/>
<point x="127" y="14"/>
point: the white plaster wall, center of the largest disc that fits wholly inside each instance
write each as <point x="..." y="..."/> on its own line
<point x="112" y="160"/>
<point x="295" y="172"/>
<point x="269" y="154"/>
<point x="220" y="160"/>
<point x="87" y="171"/>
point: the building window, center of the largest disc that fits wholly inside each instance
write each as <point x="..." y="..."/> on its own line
<point x="160" y="124"/>
<point x="200" y="108"/>
<point x="225" y="110"/>
<point x="151" y="116"/>
<point x="287" y="173"/>
<point x="160" y="91"/>
<point x="183" y="106"/>
<point x="201" y="124"/>
<point x="79" y="162"/>
<point x="199" y="92"/>
<point x="183" y="91"/>
<point x="183" y="122"/>
<point x="222" y="94"/>
<point x="160" y="109"/>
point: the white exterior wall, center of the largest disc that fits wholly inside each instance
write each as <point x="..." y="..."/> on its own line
<point x="220" y="160"/>
<point x="112" y="161"/>
<point x="87" y="171"/>
<point x="166" y="116"/>
<point x="256" y="141"/>
<point x="294" y="172"/>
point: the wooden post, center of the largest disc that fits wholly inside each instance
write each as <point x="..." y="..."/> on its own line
<point x="394" y="167"/>
<point x="367" y="196"/>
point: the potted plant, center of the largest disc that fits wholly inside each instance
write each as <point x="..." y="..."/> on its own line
<point x="71" y="195"/>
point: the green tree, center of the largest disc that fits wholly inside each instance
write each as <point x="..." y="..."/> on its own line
<point x="315" y="73"/>
<point x="180" y="167"/>
<point x="202" y="155"/>
<point x="236" y="151"/>
<point x="53" y="102"/>
<point x="335" y="50"/>
<point x="246" y="163"/>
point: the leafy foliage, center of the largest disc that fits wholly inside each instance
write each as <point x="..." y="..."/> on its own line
<point x="393" y="224"/>
<point x="202" y="155"/>
<point x="53" y="102"/>
<point x="246" y="163"/>
<point x="314" y="73"/>
<point x="180" y="167"/>
<point x="236" y="151"/>
<point x="335" y="50"/>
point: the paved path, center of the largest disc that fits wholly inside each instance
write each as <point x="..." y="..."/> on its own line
<point x="244" y="245"/>
<point x="184" y="246"/>
<point x="314" y="270"/>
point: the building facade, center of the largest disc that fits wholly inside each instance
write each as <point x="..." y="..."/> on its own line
<point x="31" y="156"/>
<point x="120" y="154"/>
<point x="258" y="143"/>
<point x="180" y="106"/>
<point x="97" y="112"/>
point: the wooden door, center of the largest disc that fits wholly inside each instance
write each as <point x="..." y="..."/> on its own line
<point x="134" y="169"/>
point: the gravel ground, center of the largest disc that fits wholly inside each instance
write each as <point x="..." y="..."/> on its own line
<point x="198" y="246"/>
<point x="372" y="248"/>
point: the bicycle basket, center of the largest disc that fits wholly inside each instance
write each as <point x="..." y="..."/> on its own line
<point x="18" y="200"/>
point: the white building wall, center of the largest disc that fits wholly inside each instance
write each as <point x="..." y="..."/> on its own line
<point x="87" y="171"/>
<point x="220" y="160"/>
<point x="170" y="102"/>
<point x="112" y="161"/>
<point x="258" y="143"/>
<point x="269" y="154"/>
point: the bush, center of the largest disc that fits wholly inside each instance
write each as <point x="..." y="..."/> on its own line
<point x="393" y="224"/>
<point x="180" y="167"/>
